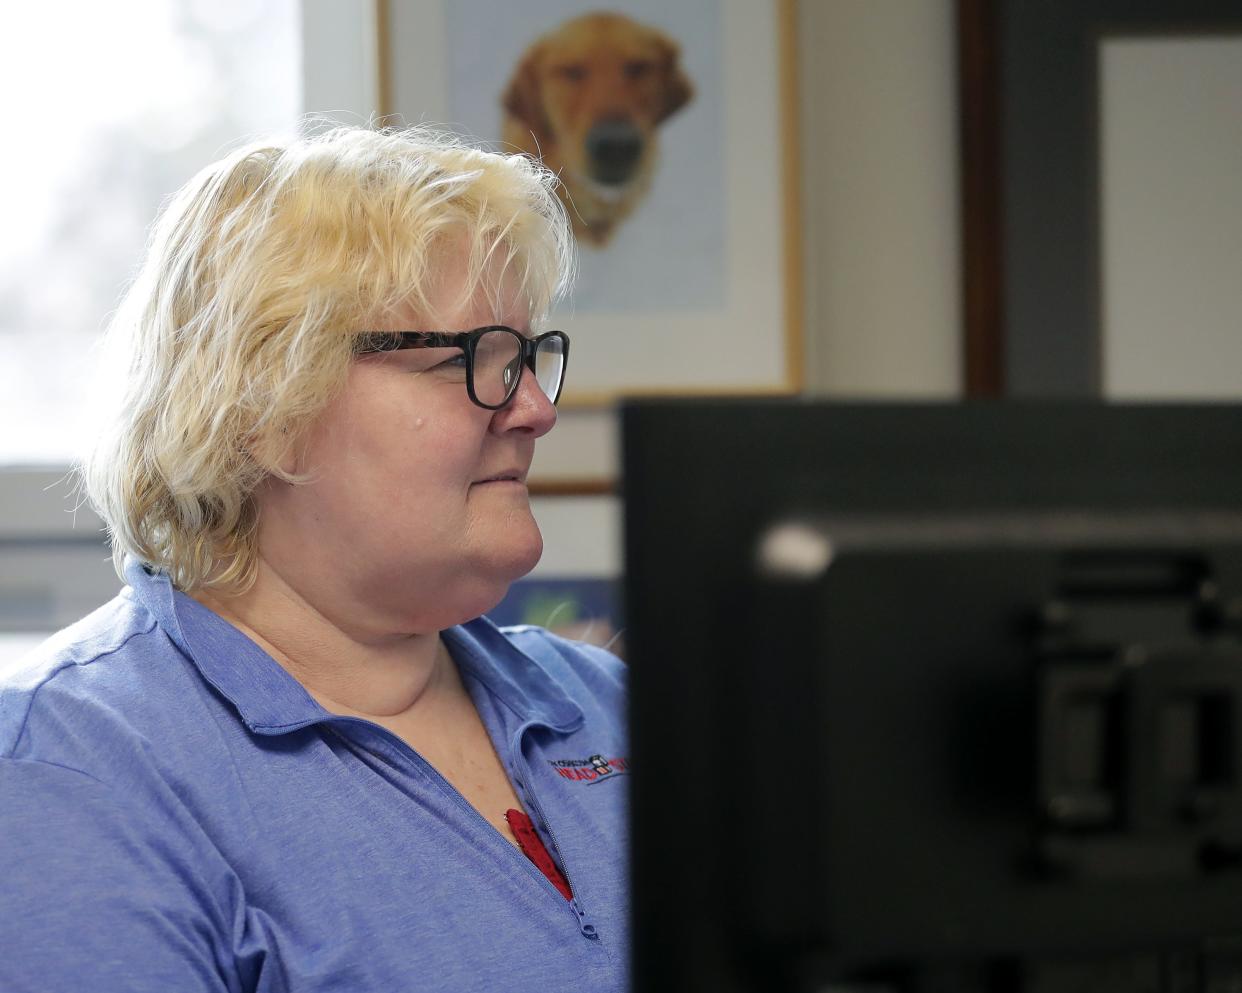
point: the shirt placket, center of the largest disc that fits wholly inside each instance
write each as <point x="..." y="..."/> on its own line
<point x="523" y="783"/>
<point x="398" y="751"/>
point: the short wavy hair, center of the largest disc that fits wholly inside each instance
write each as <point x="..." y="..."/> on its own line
<point x="238" y="328"/>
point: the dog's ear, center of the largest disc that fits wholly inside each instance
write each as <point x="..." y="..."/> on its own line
<point x="678" y="90"/>
<point x="523" y="98"/>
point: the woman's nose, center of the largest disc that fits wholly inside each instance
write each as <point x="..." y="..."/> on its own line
<point x="528" y="410"/>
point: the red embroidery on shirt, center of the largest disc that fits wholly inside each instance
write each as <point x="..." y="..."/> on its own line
<point x="533" y="848"/>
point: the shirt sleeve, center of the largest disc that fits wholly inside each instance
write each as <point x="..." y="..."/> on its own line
<point x="92" y="897"/>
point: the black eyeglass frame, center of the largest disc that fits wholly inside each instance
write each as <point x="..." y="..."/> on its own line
<point x="371" y="342"/>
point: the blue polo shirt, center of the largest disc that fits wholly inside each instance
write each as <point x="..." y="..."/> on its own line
<point x="178" y="814"/>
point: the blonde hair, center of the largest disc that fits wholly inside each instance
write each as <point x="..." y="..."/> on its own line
<point x="238" y="328"/>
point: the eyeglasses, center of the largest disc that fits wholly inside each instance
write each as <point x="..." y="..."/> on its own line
<point x="494" y="358"/>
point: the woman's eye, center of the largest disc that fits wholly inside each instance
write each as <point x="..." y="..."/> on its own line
<point x="454" y="364"/>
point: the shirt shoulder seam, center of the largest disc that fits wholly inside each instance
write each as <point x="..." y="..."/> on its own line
<point x="30" y="703"/>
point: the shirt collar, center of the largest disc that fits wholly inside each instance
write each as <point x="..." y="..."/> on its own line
<point x="483" y="650"/>
<point x="271" y="701"/>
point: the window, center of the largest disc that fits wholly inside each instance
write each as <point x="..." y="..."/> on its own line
<point x="122" y="103"/>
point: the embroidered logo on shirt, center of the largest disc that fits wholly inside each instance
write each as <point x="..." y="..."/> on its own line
<point x="593" y="769"/>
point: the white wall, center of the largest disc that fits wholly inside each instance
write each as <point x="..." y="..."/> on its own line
<point x="880" y="197"/>
<point x="1171" y="217"/>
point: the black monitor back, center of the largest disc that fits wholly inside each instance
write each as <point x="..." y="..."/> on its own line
<point x="924" y="688"/>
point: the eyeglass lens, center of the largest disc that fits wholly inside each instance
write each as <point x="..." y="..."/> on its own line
<point x="498" y="366"/>
<point x="550" y="366"/>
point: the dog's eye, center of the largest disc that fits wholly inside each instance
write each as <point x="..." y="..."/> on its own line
<point x="638" y="68"/>
<point x="574" y="72"/>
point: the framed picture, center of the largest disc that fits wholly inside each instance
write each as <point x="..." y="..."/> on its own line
<point x="672" y="129"/>
<point x="1038" y="199"/>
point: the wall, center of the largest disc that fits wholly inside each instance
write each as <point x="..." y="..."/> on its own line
<point x="1171" y="217"/>
<point x="880" y="197"/>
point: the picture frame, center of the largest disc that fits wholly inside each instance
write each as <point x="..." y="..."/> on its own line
<point x="1029" y="93"/>
<point x="731" y="322"/>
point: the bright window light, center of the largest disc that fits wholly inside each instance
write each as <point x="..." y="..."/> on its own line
<point x="108" y="109"/>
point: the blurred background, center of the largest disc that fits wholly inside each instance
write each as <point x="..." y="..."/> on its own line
<point x="968" y="199"/>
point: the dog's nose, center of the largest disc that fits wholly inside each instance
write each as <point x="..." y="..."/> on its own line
<point x="613" y="149"/>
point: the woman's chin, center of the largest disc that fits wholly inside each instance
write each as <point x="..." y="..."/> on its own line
<point x="521" y="556"/>
<point x="491" y="578"/>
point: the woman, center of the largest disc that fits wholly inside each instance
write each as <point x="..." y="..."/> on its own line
<point x="291" y="755"/>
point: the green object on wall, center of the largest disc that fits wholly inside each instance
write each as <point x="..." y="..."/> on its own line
<point x="548" y="609"/>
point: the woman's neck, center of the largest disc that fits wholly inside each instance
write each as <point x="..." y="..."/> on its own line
<point x="353" y="672"/>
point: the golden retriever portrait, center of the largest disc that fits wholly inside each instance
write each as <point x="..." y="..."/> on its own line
<point x="588" y="98"/>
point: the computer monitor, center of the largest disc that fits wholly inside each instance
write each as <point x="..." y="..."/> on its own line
<point x="935" y="697"/>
